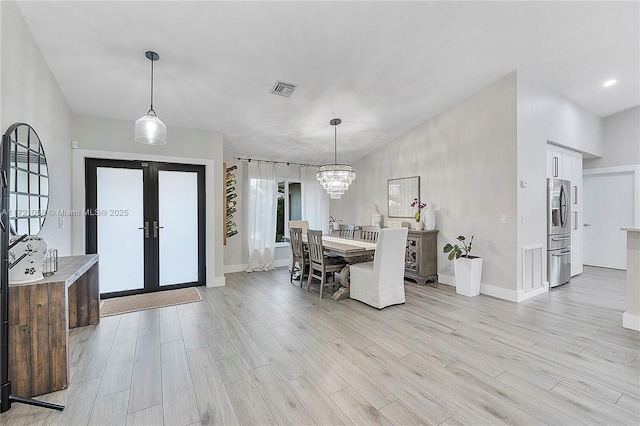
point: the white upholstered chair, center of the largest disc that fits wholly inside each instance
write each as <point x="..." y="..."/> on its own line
<point x="304" y="224"/>
<point x="381" y="283"/>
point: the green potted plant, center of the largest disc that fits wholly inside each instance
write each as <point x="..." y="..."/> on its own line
<point x="468" y="268"/>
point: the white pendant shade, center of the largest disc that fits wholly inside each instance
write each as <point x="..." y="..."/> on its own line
<point x="336" y="178"/>
<point x="151" y="130"/>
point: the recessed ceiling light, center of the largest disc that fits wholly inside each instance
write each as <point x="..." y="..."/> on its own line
<point x="610" y="82"/>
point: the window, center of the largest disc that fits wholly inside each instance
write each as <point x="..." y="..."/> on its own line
<point x="289" y="207"/>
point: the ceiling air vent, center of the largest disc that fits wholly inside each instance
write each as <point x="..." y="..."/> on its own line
<point x="283" y="89"/>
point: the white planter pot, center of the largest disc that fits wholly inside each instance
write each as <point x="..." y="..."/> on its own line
<point x="468" y="275"/>
<point x="416" y="225"/>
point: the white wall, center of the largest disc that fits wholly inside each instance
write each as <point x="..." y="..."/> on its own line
<point x="621" y="141"/>
<point x="545" y="116"/>
<point x="104" y="135"/>
<point x="615" y="177"/>
<point x="31" y="95"/>
<point x="466" y="160"/>
<point x="472" y="159"/>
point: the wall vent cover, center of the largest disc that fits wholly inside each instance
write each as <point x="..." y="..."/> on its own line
<point x="531" y="268"/>
<point x="283" y="89"/>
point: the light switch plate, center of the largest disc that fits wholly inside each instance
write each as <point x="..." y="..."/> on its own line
<point x="503" y="218"/>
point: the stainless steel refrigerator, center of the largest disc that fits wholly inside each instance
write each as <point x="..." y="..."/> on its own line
<point x="558" y="231"/>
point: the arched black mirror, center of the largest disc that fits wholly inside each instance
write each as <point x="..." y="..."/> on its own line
<point x="28" y="180"/>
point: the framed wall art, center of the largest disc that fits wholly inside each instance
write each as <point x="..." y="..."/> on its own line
<point x="401" y="193"/>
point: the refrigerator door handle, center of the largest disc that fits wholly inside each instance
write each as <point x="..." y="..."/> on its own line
<point x="563" y="207"/>
<point x="561" y="254"/>
<point x="560" y="238"/>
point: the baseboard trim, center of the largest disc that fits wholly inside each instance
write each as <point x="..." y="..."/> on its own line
<point x="486" y="289"/>
<point x="499" y="292"/>
<point x="631" y="321"/>
<point x="447" y="279"/>
<point x="216" y="282"/>
<point x="521" y="295"/>
<point x="230" y="269"/>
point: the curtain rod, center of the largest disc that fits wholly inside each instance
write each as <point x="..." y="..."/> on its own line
<point x="288" y="163"/>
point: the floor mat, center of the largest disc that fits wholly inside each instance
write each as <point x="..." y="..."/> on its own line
<point x="139" y="302"/>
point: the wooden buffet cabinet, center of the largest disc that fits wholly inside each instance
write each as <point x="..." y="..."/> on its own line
<point x="40" y="316"/>
<point x="421" y="258"/>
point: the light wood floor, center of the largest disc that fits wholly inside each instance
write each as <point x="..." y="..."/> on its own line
<point x="262" y="351"/>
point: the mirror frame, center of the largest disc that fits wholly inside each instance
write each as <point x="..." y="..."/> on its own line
<point x="400" y="194"/>
<point x="29" y="196"/>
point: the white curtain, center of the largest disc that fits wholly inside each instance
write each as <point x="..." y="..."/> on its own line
<point x="261" y="214"/>
<point x="315" y="200"/>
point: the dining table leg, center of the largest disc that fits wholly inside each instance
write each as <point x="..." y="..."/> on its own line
<point x="343" y="291"/>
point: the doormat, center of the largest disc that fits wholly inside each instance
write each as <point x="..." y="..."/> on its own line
<point x="140" y="302"/>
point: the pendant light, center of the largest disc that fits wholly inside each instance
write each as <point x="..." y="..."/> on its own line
<point x="335" y="178"/>
<point x="149" y="128"/>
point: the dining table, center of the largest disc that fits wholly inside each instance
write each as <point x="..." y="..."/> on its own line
<point x="352" y="250"/>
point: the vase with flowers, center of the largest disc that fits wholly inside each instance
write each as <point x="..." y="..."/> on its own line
<point x="420" y="205"/>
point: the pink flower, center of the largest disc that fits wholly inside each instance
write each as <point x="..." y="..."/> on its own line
<point x="418" y="203"/>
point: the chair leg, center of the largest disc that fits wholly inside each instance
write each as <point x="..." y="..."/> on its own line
<point x="309" y="279"/>
<point x="322" y="281"/>
<point x="302" y="269"/>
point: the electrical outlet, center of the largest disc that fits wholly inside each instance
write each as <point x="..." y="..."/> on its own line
<point x="61" y="222"/>
<point x="503" y="218"/>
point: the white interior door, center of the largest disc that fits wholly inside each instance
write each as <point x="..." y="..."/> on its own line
<point x="608" y="205"/>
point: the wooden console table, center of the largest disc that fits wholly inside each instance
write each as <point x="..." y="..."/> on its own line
<point x="40" y="316"/>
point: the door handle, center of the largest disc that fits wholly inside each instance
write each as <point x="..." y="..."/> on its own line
<point x="146" y="229"/>
<point x="155" y="228"/>
<point x="587" y="224"/>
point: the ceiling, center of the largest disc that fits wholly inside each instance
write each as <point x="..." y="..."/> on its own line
<point x="382" y="67"/>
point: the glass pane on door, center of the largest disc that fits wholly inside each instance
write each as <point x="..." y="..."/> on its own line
<point x="178" y="217"/>
<point x="120" y="242"/>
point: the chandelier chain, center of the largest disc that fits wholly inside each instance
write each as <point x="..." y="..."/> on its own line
<point x="335" y="144"/>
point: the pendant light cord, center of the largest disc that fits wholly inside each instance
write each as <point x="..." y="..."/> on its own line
<point x="151" y="109"/>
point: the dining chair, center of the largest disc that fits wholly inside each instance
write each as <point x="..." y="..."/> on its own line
<point x="369" y="233"/>
<point x="299" y="256"/>
<point x="347" y="231"/>
<point x="319" y="264"/>
<point x="381" y="283"/>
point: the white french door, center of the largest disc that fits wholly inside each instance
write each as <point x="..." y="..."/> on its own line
<point x="146" y="221"/>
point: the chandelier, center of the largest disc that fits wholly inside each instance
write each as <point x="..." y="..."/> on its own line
<point x="335" y="178"/>
<point x="149" y="128"/>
